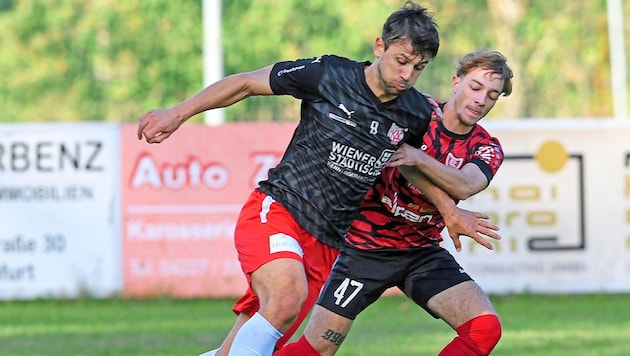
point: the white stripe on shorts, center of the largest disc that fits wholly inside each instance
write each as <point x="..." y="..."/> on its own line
<point x="266" y="205"/>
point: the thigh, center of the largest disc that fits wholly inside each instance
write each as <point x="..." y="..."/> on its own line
<point x="460" y="303"/>
<point x="358" y="279"/>
<point x="282" y="261"/>
<point x="269" y="245"/>
<point x="318" y="261"/>
<point x="432" y="271"/>
<point x="266" y="231"/>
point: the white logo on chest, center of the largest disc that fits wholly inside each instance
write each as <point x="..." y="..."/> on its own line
<point x="344" y="109"/>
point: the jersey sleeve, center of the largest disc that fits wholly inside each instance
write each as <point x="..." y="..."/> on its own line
<point x="488" y="157"/>
<point x="299" y="78"/>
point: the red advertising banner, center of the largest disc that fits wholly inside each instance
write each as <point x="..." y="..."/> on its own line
<point x="180" y="202"/>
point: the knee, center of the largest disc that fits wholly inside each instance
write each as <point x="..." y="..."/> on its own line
<point x="493" y="331"/>
<point x="481" y="333"/>
<point x="281" y="287"/>
<point x="289" y="303"/>
<point x="282" y="308"/>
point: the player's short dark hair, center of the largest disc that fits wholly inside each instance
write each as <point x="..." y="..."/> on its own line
<point x="415" y="24"/>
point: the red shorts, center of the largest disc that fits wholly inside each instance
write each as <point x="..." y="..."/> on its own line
<point x="266" y="231"/>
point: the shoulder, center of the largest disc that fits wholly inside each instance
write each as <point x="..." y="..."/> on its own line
<point x="415" y="101"/>
<point x="335" y="60"/>
<point x="318" y="64"/>
<point x="484" y="136"/>
<point x="414" y="95"/>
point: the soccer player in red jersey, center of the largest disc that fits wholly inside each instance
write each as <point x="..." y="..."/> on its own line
<point x="354" y="116"/>
<point x="395" y="241"/>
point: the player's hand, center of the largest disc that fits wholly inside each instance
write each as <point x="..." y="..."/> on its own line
<point x="472" y="224"/>
<point x="437" y="114"/>
<point x="406" y="155"/>
<point x="157" y="125"/>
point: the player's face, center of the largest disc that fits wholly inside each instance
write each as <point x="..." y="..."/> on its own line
<point x="398" y="67"/>
<point x="475" y="94"/>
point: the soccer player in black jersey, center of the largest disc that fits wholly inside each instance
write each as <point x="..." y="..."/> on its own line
<point x="395" y="241"/>
<point x="354" y="116"/>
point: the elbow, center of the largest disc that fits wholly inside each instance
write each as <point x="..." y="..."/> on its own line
<point x="461" y="196"/>
<point x="463" y="192"/>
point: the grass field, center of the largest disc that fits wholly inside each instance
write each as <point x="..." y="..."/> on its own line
<point x="533" y="325"/>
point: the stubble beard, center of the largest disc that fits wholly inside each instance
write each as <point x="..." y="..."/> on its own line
<point x="389" y="90"/>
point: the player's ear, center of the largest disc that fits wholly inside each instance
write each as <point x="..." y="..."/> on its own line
<point x="379" y="47"/>
<point x="455" y="80"/>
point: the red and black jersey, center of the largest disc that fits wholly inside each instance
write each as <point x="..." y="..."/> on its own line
<point x="396" y="215"/>
<point x="344" y="137"/>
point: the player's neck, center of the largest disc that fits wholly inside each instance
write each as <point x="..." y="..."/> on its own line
<point x="452" y="122"/>
<point x="376" y="84"/>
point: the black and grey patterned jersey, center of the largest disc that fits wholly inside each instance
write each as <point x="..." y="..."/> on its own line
<point x="344" y="137"/>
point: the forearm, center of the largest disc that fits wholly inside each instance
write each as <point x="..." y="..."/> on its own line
<point x="457" y="221"/>
<point x="225" y="92"/>
<point x="456" y="182"/>
<point x="157" y="125"/>
<point x="442" y="201"/>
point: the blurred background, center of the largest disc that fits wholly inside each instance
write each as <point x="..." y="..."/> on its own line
<point x="88" y="210"/>
<point x="106" y="60"/>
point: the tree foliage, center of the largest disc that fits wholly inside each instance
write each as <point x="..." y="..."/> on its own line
<point x="68" y="60"/>
<point x="72" y="60"/>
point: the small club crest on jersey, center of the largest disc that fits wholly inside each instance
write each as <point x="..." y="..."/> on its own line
<point x="452" y="161"/>
<point x="396" y="134"/>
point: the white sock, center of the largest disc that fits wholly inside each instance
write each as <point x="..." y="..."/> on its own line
<point x="210" y="353"/>
<point x="257" y="337"/>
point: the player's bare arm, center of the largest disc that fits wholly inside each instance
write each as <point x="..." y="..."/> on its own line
<point x="459" y="183"/>
<point x="157" y="125"/>
<point x="458" y="221"/>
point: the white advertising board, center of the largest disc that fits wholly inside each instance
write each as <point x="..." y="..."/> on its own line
<point x="562" y="200"/>
<point x="59" y="210"/>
